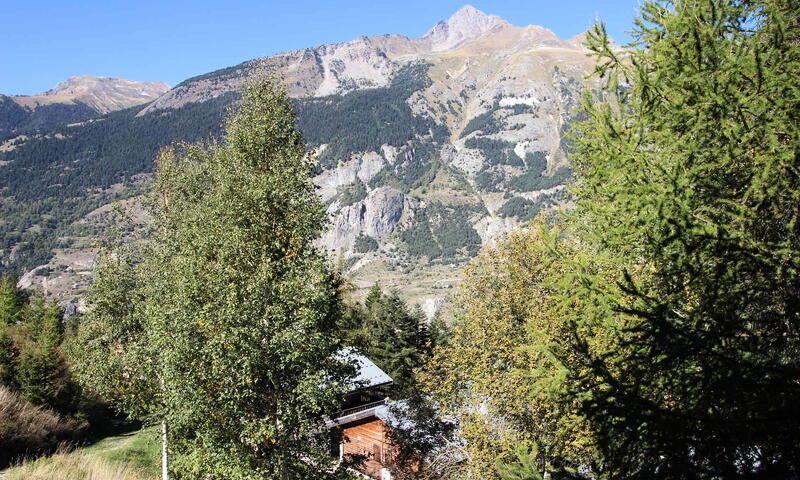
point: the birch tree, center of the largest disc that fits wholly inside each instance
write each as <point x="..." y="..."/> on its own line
<point x="222" y="323"/>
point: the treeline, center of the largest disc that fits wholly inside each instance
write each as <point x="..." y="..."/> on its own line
<point x="51" y="182"/>
<point x="651" y="333"/>
<point x="38" y="388"/>
<point x="444" y="231"/>
<point x="16" y="118"/>
<point x="363" y="120"/>
<point x="59" y="174"/>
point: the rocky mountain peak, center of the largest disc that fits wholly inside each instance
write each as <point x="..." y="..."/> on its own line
<point x="467" y="23"/>
<point x="106" y="94"/>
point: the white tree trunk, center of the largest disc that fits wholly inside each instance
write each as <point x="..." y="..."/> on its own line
<point x="164" y="463"/>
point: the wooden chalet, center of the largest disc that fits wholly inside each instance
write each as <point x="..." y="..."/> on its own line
<point x="361" y="428"/>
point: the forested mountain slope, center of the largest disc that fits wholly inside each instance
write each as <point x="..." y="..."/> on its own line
<point x="428" y="148"/>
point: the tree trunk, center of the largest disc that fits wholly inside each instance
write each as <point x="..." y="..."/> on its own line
<point x="164" y="462"/>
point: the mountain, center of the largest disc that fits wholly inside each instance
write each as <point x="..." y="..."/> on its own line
<point x="467" y="23"/>
<point x="427" y="149"/>
<point x="75" y="100"/>
<point x="105" y="94"/>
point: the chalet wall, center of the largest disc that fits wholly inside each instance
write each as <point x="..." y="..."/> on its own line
<point x="368" y="438"/>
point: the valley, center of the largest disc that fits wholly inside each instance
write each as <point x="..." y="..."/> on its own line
<point x="427" y="150"/>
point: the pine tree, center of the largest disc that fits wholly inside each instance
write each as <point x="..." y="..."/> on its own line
<point x="41" y="374"/>
<point x="11" y="301"/>
<point x="439" y="330"/>
<point x="36" y="375"/>
<point x="8" y="360"/>
<point x="688" y="186"/>
<point x="394" y="338"/>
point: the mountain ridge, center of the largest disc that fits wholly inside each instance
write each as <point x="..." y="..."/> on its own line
<point x="74" y="100"/>
<point x="103" y="94"/>
<point x="423" y="155"/>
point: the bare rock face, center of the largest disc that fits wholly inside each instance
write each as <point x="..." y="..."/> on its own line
<point x="106" y="94"/>
<point x="364" y="62"/>
<point x="466" y="24"/>
<point x="360" y="168"/>
<point x="384" y="211"/>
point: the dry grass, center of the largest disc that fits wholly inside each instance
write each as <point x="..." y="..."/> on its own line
<point x="26" y="429"/>
<point x="74" y="466"/>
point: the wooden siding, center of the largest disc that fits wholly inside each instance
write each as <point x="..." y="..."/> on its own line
<point x="368" y="438"/>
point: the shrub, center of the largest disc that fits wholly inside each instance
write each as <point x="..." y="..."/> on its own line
<point x="27" y="430"/>
<point x="365" y="243"/>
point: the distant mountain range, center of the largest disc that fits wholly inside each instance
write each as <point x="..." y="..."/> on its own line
<point x="73" y="100"/>
<point x="428" y="149"/>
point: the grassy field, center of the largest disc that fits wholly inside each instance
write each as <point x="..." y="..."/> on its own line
<point x="133" y="456"/>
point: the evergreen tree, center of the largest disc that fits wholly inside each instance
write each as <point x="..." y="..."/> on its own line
<point x="11" y="303"/>
<point x="37" y="375"/>
<point x="394" y="338"/>
<point x="688" y="186"/>
<point x="231" y="310"/>
<point x="374" y="297"/>
<point x="41" y="374"/>
<point x="439" y="330"/>
<point x="42" y="320"/>
<point x="8" y="359"/>
<point x="11" y="300"/>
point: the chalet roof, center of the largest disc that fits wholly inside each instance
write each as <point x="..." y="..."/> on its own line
<point x="393" y="414"/>
<point x="368" y="374"/>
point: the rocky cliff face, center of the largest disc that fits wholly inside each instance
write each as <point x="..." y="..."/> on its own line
<point x="428" y="148"/>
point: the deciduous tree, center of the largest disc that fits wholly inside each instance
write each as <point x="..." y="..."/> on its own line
<point x="228" y="307"/>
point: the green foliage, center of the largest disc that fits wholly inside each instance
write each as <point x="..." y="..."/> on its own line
<point x="11" y="301"/>
<point x="496" y="152"/>
<point x="526" y="467"/>
<point x="75" y="164"/>
<point x="396" y="337"/>
<point x="489" y="180"/>
<point x="443" y="231"/>
<point x="486" y="123"/>
<point x="223" y="323"/>
<point x="98" y="154"/>
<point x="536" y="161"/>
<point x="533" y="180"/>
<point x="364" y="244"/>
<point x="34" y="370"/>
<point x="353" y="193"/>
<point x="89" y="158"/>
<point x="15" y="118"/>
<point x="9" y="355"/>
<point x="687" y="192"/>
<point x="415" y="169"/>
<point x="495" y="375"/>
<point x="521" y="208"/>
<point x="374" y="117"/>
<point x="398" y="340"/>
<point x="439" y="331"/>
<point x="37" y="375"/>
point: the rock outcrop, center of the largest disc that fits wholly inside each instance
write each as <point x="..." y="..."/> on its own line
<point x="384" y="211"/>
<point x="102" y="94"/>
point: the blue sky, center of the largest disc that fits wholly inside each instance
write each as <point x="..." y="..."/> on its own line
<point x="44" y="42"/>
